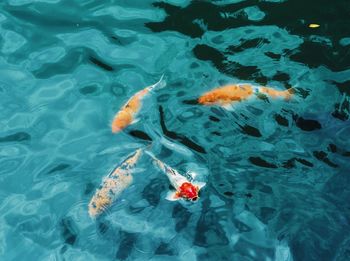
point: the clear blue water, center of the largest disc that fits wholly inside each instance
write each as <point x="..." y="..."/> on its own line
<point x="277" y="173"/>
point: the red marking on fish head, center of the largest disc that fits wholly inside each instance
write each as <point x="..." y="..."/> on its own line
<point x="188" y="191"/>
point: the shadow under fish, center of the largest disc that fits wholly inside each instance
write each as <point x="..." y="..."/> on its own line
<point x="140" y="135"/>
<point x="324" y="122"/>
<point x="179" y="137"/>
<point x="335" y="130"/>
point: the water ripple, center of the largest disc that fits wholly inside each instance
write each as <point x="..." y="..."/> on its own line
<point x="276" y="172"/>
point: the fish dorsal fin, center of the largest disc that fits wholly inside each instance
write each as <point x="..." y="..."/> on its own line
<point x="200" y="184"/>
<point x="172" y="196"/>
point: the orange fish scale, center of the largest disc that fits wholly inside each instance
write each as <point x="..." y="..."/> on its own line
<point x="122" y="120"/>
<point x="275" y="93"/>
<point x="226" y="94"/>
<point x="126" y="115"/>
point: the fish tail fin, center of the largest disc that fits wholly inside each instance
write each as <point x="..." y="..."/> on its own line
<point x="262" y="92"/>
<point x="148" y="150"/>
<point x="156" y="136"/>
<point x="289" y="93"/>
<point x="158" y="85"/>
<point x="149" y="153"/>
<point x="156" y="161"/>
<point x="148" y="147"/>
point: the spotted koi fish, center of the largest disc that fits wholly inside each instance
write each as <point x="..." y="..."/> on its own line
<point x="184" y="186"/>
<point x="113" y="185"/>
<point x="227" y="95"/>
<point x="127" y="115"/>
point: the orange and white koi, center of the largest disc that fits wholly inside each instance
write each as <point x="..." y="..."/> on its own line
<point x="228" y="95"/>
<point x="128" y="113"/>
<point x="114" y="184"/>
<point x="185" y="188"/>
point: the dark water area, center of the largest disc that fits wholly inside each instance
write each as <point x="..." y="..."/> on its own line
<point x="277" y="173"/>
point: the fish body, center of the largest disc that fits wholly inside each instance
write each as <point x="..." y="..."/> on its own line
<point x="114" y="184"/>
<point x="229" y="94"/>
<point x="128" y="113"/>
<point x="185" y="188"/>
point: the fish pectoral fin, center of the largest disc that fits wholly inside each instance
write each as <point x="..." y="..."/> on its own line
<point x="263" y="97"/>
<point x="228" y="106"/>
<point x="135" y="120"/>
<point x="138" y="170"/>
<point x="200" y="184"/>
<point x="172" y="196"/>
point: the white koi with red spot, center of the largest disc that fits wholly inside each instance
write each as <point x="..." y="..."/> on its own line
<point x="185" y="187"/>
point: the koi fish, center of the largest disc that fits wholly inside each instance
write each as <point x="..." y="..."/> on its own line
<point x="128" y="113"/>
<point x="114" y="184"/>
<point x="185" y="188"/>
<point x="227" y="95"/>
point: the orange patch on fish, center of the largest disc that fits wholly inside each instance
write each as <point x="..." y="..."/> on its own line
<point x="123" y="119"/>
<point x="126" y="115"/>
<point x="227" y="94"/>
<point x="286" y="94"/>
<point x="238" y="92"/>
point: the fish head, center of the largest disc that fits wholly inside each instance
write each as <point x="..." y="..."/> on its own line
<point x="188" y="191"/>
<point x="121" y="121"/>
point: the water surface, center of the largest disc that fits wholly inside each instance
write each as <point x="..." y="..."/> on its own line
<point x="277" y="173"/>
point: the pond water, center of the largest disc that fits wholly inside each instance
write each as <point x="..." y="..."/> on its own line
<point x="277" y="173"/>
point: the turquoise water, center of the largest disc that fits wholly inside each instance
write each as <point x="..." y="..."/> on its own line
<point x="277" y="172"/>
